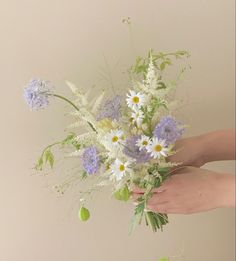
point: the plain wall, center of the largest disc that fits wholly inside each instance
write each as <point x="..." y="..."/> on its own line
<point x="58" y="40"/>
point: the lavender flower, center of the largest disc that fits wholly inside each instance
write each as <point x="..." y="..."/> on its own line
<point x="90" y="160"/>
<point x="37" y="93"/>
<point x="110" y="109"/>
<point x="168" y="129"/>
<point x="132" y="150"/>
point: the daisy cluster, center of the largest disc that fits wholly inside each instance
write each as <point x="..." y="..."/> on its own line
<point x="127" y="139"/>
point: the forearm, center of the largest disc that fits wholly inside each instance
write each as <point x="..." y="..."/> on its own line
<point x="218" y="145"/>
<point x="227" y="191"/>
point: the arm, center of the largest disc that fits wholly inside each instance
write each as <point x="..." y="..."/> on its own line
<point x="198" y="150"/>
<point x="219" y="145"/>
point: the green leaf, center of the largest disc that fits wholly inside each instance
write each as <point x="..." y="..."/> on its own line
<point x="151" y="221"/>
<point x="162" y="66"/>
<point x="163" y="170"/>
<point x="39" y="164"/>
<point x="164" y="259"/>
<point x="161" y="85"/>
<point x="49" y="157"/>
<point x="70" y="140"/>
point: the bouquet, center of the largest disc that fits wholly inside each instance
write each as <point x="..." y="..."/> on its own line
<point x="126" y="139"/>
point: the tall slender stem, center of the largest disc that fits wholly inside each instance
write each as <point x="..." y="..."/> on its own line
<point x="73" y="105"/>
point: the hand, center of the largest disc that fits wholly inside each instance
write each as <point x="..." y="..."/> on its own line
<point x="194" y="190"/>
<point x="189" y="152"/>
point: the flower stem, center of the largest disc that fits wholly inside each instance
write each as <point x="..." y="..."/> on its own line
<point x="73" y="105"/>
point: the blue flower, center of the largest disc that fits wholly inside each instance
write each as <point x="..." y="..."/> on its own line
<point x="110" y="109"/>
<point x="37" y="93"/>
<point x="133" y="151"/>
<point x="90" y="160"/>
<point x="168" y="129"/>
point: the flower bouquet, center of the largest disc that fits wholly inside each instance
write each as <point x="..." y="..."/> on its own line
<point x="126" y="140"/>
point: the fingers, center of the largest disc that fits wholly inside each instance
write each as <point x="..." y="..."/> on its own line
<point x="156" y="199"/>
<point x="163" y="187"/>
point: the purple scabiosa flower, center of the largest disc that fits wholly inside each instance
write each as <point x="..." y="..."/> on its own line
<point x="110" y="109"/>
<point x="132" y="150"/>
<point x="37" y="93"/>
<point x="90" y="160"/>
<point x="168" y="129"/>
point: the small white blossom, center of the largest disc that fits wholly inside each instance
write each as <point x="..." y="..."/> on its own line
<point x="157" y="148"/>
<point x="138" y="117"/>
<point x="120" y="169"/>
<point x="115" y="137"/>
<point x="143" y="142"/>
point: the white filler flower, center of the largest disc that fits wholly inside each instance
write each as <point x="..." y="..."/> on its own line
<point x="157" y="148"/>
<point x="119" y="169"/>
<point x="138" y="117"/>
<point x="135" y="99"/>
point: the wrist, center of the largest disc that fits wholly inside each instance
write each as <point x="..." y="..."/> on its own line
<point x="206" y="142"/>
<point x="201" y="149"/>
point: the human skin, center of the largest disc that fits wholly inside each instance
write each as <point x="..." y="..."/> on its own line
<point x="192" y="190"/>
<point x="199" y="150"/>
<point x="195" y="189"/>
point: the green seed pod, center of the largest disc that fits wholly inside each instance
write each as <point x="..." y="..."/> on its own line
<point x="122" y="194"/>
<point x="84" y="214"/>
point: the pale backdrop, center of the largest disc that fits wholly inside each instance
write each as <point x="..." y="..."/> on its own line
<point x="59" y="39"/>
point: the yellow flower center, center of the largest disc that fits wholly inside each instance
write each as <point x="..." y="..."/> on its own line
<point x="145" y="143"/>
<point x="115" y="139"/>
<point x="158" y="148"/>
<point x="135" y="99"/>
<point x="122" y="167"/>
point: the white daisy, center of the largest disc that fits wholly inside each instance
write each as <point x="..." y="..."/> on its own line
<point x="157" y="148"/>
<point x="119" y="169"/>
<point x="143" y="142"/>
<point x="115" y="137"/>
<point x="138" y="117"/>
<point x="135" y="99"/>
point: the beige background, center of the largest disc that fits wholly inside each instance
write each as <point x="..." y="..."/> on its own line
<point x="59" y="39"/>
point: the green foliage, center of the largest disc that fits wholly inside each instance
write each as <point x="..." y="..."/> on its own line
<point x="47" y="155"/>
<point x="154" y="105"/>
<point x="39" y="164"/>
<point x="163" y="170"/>
<point x="70" y="141"/>
<point x="156" y="221"/>
<point x="161" y="85"/>
<point x="160" y="61"/>
<point x="122" y="194"/>
<point x="164" y="259"/>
